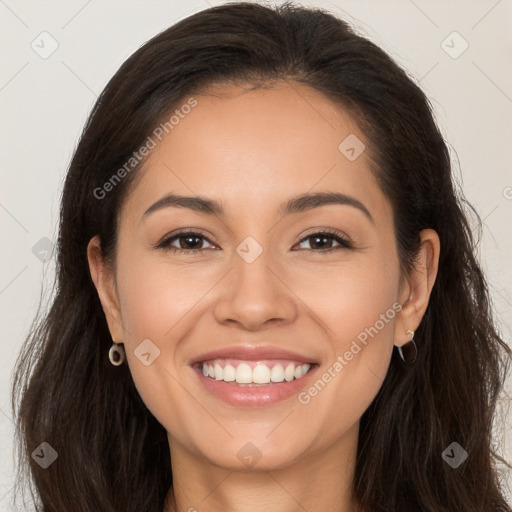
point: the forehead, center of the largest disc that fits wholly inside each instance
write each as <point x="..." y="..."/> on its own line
<point x="253" y="147"/>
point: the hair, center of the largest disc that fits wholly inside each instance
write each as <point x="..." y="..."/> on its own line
<point x="113" y="454"/>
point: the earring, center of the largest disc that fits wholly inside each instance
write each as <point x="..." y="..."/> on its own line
<point x="409" y="351"/>
<point x="116" y="353"/>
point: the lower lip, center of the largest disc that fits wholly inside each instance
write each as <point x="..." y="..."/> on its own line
<point x="255" y="396"/>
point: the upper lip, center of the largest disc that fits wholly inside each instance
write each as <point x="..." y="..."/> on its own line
<point x="251" y="354"/>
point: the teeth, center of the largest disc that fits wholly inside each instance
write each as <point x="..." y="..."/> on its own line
<point x="229" y="373"/>
<point x="217" y="371"/>
<point x="277" y="373"/>
<point x="243" y="374"/>
<point x="261" y="374"/>
<point x="289" y="373"/>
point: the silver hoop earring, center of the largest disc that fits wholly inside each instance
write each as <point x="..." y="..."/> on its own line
<point x="408" y="351"/>
<point x="116" y="353"/>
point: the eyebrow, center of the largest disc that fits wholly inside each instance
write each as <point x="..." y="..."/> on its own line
<point x="297" y="204"/>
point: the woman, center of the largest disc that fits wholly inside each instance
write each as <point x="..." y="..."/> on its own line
<point x="268" y="297"/>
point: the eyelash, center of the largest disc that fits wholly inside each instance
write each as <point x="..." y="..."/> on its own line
<point x="333" y="235"/>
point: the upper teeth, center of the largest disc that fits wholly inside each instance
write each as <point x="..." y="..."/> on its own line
<point x="261" y="374"/>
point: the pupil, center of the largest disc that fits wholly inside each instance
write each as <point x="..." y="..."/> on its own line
<point x="188" y="239"/>
<point x="318" y="241"/>
<point x="319" y="245"/>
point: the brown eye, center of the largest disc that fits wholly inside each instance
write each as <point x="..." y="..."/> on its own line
<point x="190" y="241"/>
<point x="187" y="242"/>
<point x="325" y="241"/>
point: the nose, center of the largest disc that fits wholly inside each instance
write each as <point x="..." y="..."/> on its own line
<point x="255" y="295"/>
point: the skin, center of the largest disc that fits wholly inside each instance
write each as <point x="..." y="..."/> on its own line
<point x="253" y="150"/>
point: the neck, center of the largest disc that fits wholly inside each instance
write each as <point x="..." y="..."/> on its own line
<point x="316" y="482"/>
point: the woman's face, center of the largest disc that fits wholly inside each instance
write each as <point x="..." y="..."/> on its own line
<point x="267" y="285"/>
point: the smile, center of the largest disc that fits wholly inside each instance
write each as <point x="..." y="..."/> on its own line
<point x="244" y="383"/>
<point x="253" y="372"/>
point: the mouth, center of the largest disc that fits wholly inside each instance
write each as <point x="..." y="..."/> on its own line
<point x="253" y="383"/>
<point x="246" y="373"/>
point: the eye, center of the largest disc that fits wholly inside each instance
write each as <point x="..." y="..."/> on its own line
<point x="187" y="241"/>
<point x="322" y="241"/>
<point x="192" y="242"/>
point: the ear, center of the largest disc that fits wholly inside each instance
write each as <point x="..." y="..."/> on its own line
<point x="104" y="280"/>
<point x="415" y="293"/>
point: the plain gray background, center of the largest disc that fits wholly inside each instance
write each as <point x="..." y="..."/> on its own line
<point x="45" y="100"/>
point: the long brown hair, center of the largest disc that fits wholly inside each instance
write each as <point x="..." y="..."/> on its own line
<point x="113" y="455"/>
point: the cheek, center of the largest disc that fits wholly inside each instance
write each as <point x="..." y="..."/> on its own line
<point x="157" y="303"/>
<point x="155" y="300"/>
<point x="156" y="296"/>
<point x="358" y="307"/>
<point x="351" y="297"/>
